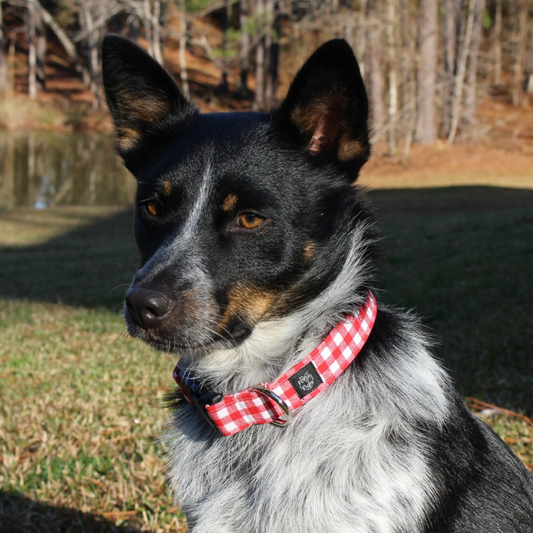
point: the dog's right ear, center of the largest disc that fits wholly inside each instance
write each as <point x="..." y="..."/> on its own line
<point x="326" y="108"/>
<point x="142" y="97"/>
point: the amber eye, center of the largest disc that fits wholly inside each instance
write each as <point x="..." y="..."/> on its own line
<point x="154" y="207"/>
<point x="250" y="220"/>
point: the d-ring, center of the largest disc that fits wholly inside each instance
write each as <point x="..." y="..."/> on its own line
<point x="279" y="402"/>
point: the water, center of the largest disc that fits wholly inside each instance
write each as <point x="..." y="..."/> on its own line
<point x="44" y="169"/>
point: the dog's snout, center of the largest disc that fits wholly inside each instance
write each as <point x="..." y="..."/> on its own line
<point x="148" y="307"/>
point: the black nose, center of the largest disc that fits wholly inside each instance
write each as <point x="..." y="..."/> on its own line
<point x="147" y="307"/>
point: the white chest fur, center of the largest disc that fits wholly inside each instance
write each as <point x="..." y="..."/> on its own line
<point x="348" y="463"/>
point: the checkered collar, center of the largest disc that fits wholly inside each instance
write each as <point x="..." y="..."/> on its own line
<point x="275" y="402"/>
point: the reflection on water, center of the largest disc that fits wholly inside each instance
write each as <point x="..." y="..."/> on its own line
<point x="41" y="169"/>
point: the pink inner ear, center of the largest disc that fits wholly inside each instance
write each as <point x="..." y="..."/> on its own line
<point x="327" y="130"/>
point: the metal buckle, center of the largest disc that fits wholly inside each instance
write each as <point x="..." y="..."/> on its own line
<point x="279" y="402"/>
<point x="199" y="400"/>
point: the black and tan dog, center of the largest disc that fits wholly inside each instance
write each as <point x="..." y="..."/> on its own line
<point x="257" y="271"/>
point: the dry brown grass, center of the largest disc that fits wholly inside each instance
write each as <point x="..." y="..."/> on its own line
<point x="81" y="416"/>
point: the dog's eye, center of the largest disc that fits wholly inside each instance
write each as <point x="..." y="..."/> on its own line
<point x="153" y="207"/>
<point x="250" y="220"/>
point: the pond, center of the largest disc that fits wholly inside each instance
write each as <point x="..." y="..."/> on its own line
<point x="44" y="169"/>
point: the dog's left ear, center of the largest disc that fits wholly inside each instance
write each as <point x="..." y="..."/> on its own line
<point x="142" y="97"/>
<point x="326" y="109"/>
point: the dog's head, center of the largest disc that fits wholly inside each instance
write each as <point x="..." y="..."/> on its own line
<point x="240" y="217"/>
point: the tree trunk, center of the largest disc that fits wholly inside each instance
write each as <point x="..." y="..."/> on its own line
<point x="260" y="74"/>
<point x="223" y="85"/>
<point x="40" y="49"/>
<point x="183" y="49"/>
<point x="529" y="66"/>
<point x="271" y="68"/>
<point x="407" y="74"/>
<point x="518" y="81"/>
<point x="426" y="125"/>
<point x="411" y="123"/>
<point x="449" y="38"/>
<point x="32" y="52"/>
<point x="244" y="55"/>
<point x="471" y="81"/>
<point x="3" y="63"/>
<point x="147" y="14"/>
<point x="260" y="56"/>
<point x="497" y="43"/>
<point x="374" y="73"/>
<point x="361" y="37"/>
<point x="407" y="53"/>
<point x="156" y="33"/>
<point x="273" y="56"/>
<point x="393" y="74"/>
<point x="92" y="46"/>
<point x="460" y="75"/>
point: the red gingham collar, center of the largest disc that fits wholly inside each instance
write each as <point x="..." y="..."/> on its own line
<point x="274" y="402"/>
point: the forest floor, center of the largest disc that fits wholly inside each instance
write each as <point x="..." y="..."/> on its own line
<point x="501" y="154"/>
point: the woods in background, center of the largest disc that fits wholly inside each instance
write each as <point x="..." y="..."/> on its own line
<point x="426" y="63"/>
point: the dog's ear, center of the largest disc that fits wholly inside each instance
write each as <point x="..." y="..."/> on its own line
<point x="142" y="97"/>
<point x="326" y="108"/>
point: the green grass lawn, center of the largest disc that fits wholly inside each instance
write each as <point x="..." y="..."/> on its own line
<point x="81" y="403"/>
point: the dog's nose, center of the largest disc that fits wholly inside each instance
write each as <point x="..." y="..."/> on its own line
<point x="147" y="307"/>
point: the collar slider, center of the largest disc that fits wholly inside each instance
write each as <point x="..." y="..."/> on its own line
<point x="281" y="422"/>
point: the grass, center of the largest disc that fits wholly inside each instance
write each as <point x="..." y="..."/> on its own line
<point x="17" y="111"/>
<point x="79" y="430"/>
<point x="463" y="259"/>
<point x="81" y="408"/>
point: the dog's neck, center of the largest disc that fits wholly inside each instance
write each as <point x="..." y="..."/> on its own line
<point x="276" y="345"/>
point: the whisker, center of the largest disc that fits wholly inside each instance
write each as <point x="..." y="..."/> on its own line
<point x="118" y="287"/>
<point x="213" y="321"/>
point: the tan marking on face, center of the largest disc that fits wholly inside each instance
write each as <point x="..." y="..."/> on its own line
<point x="229" y="202"/>
<point x="127" y="138"/>
<point x="249" y="302"/>
<point x="309" y="250"/>
<point x="167" y="187"/>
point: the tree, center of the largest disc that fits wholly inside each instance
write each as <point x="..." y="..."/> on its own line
<point x="426" y="125"/>
<point x="449" y="42"/>
<point x="244" y="55"/>
<point x="3" y="64"/>
<point x="183" y="49"/>
<point x="460" y="72"/>
<point x="374" y="73"/>
<point x="472" y="72"/>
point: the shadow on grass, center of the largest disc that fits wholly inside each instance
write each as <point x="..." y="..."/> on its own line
<point x="90" y="266"/>
<point x="450" y="200"/>
<point x="19" y="514"/>
<point x="462" y="257"/>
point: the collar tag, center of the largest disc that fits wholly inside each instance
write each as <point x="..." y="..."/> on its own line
<point x="306" y="380"/>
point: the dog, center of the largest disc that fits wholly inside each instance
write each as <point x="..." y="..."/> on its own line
<point x="258" y="253"/>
